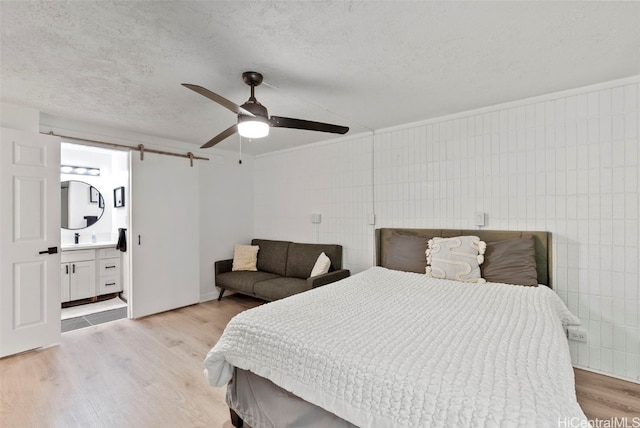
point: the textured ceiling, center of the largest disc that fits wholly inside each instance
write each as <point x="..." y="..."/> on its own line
<point x="361" y="64"/>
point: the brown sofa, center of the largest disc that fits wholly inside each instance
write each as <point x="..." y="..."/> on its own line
<point x="283" y="270"/>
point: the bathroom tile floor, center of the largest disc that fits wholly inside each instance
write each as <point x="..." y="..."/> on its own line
<point x="87" y="315"/>
<point x="93" y="319"/>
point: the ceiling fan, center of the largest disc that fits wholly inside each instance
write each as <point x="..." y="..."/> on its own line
<point x="253" y="117"/>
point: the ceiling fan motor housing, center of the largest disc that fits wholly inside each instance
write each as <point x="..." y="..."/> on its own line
<point x="255" y="108"/>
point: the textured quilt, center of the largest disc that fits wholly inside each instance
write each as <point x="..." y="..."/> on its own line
<point x="387" y="349"/>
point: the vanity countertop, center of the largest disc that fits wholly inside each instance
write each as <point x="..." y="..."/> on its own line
<point x="86" y="246"/>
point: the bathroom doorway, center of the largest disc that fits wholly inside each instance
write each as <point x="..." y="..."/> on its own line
<point x="94" y="223"/>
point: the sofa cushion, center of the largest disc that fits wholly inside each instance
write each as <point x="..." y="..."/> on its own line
<point x="279" y="288"/>
<point x="272" y="256"/>
<point x="302" y="258"/>
<point x="242" y="281"/>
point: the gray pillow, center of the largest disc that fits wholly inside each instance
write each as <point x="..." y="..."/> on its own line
<point x="512" y="261"/>
<point x="406" y="253"/>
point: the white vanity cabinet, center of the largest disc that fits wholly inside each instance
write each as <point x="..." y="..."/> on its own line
<point x="90" y="272"/>
<point x="78" y="280"/>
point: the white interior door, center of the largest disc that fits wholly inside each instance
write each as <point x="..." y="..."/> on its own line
<point x="30" y="224"/>
<point x="164" y="237"/>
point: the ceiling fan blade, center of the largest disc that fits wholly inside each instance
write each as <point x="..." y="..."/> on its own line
<point x="287" y="122"/>
<point x="221" y="136"/>
<point x="217" y="98"/>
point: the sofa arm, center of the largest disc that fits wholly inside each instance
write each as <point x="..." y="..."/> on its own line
<point x="222" y="266"/>
<point x="327" y="278"/>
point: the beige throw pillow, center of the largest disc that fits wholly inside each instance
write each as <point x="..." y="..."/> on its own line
<point x="245" y="257"/>
<point x="457" y="258"/>
<point x="322" y="265"/>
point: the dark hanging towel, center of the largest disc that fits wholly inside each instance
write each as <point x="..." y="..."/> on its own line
<point x="91" y="219"/>
<point x="122" y="240"/>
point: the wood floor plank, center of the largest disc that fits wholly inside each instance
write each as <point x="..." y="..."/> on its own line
<point x="149" y="373"/>
<point x="603" y="397"/>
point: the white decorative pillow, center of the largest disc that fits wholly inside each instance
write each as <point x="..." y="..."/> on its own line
<point x="322" y="265"/>
<point x="457" y="258"/>
<point x="245" y="257"/>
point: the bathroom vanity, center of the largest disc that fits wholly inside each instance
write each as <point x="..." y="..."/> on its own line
<point x="90" y="270"/>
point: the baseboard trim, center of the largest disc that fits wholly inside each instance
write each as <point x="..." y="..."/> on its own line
<point x="589" y="369"/>
<point x="209" y="296"/>
<point x="213" y="295"/>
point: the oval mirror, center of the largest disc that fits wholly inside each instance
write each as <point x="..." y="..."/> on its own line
<point x="82" y="204"/>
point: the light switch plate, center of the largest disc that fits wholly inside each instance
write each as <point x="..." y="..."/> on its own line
<point x="479" y="219"/>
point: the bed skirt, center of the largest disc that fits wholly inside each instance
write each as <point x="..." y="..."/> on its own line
<point x="261" y="403"/>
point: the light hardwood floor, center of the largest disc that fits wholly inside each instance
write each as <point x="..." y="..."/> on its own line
<point x="148" y="373"/>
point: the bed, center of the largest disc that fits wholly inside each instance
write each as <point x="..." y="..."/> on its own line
<point x="389" y="348"/>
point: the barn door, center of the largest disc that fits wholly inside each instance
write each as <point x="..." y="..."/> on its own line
<point x="164" y="234"/>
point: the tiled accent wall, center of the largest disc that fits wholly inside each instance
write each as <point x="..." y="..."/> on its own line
<point x="331" y="179"/>
<point x="567" y="163"/>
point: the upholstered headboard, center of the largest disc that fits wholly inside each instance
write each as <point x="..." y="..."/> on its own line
<point x="542" y="243"/>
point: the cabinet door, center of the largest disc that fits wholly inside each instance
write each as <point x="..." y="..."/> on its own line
<point x="65" y="274"/>
<point x="83" y="280"/>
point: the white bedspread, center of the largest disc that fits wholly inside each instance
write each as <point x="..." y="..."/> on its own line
<point x="393" y="349"/>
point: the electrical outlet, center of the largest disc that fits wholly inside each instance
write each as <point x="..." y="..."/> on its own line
<point x="577" y="335"/>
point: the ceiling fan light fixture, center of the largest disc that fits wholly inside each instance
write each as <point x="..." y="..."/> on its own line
<point x="253" y="118"/>
<point x="252" y="127"/>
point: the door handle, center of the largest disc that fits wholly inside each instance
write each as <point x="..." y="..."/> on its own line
<point x="67" y="266"/>
<point x="50" y="250"/>
<point x="73" y="268"/>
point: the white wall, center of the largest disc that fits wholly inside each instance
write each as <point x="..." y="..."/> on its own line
<point x="226" y="213"/>
<point x="566" y="163"/>
<point x="18" y="117"/>
<point x="331" y="179"/>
